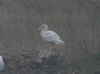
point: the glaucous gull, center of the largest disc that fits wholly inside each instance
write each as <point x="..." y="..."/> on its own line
<point x="50" y="36"/>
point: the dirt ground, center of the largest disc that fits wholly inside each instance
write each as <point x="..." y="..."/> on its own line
<point x="76" y="21"/>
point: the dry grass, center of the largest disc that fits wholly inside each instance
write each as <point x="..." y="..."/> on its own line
<point x="76" y="21"/>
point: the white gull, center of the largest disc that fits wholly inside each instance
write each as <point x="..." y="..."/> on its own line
<point x="2" y="65"/>
<point x="49" y="36"/>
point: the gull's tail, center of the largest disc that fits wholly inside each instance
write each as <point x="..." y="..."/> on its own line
<point x="59" y="42"/>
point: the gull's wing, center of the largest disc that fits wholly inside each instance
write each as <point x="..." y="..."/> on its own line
<point x="50" y="36"/>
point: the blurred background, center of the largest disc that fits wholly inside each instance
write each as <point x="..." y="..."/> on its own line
<point x="76" y="21"/>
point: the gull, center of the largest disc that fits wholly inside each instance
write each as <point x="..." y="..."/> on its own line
<point x="2" y="65"/>
<point x="49" y="36"/>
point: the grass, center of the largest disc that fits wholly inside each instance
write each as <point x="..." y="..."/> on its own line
<point x="77" y="22"/>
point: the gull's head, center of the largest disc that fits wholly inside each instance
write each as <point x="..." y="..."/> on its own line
<point x="43" y="27"/>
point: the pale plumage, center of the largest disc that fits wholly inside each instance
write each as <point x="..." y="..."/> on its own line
<point x="49" y="35"/>
<point x="2" y="65"/>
